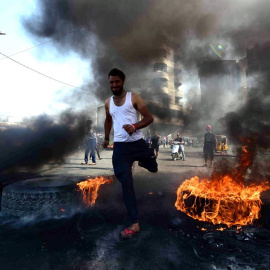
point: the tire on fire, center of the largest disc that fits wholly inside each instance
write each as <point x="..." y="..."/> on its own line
<point x="48" y="196"/>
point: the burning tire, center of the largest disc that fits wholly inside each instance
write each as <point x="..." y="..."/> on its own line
<point x="47" y="196"/>
<point x="220" y="201"/>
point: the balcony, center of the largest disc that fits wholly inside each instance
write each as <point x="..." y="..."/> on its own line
<point x="177" y="85"/>
<point x="160" y="75"/>
<point x="160" y="67"/>
<point x="177" y="81"/>
<point x="178" y="94"/>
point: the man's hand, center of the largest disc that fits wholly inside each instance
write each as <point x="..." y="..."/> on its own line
<point x="105" y="144"/>
<point x="129" y="129"/>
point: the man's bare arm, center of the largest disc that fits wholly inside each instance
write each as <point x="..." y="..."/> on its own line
<point x="140" y="106"/>
<point x="107" y="124"/>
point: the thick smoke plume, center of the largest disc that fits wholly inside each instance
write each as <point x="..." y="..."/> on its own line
<point x="128" y="34"/>
<point x="251" y="122"/>
<point x="40" y="141"/>
<point x="248" y="130"/>
<point x="252" y="119"/>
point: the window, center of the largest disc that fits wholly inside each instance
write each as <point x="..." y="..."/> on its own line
<point x="160" y="67"/>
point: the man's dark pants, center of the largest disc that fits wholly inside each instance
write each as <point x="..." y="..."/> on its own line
<point x="90" y="146"/>
<point x="124" y="154"/>
<point x="208" y="152"/>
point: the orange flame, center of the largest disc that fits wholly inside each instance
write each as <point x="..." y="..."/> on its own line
<point x="223" y="199"/>
<point x="246" y="158"/>
<point x="90" y="189"/>
<point x="220" y="201"/>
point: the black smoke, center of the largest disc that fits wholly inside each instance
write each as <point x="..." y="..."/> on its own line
<point x="252" y="119"/>
<point x="41" y="140"/>
<point x="249" y="127"/>
<point x="123" y="34"/>
<point x="128" y="35"/>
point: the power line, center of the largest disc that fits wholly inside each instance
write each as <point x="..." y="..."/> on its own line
<point x="71" y="32"/>
<point x="28" y="48"/>
<point x="42" y="73"/>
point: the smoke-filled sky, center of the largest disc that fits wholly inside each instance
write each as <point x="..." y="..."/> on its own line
<point x="89" y="37"/>
<point x="23" y="92"/>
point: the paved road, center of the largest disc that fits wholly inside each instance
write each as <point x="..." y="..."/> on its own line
<point x="90" y="240"/>
<point x="73" y="167"/>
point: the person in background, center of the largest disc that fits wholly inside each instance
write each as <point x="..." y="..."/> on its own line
<point x="148" y="138"/>
<point x="164" y="140"/>
<point x="181" y="146"/>
<point x="155" y="142"/>
<point x="90" y="144"/>
<point x="97" y="147"/>
<point x="209" y="146"/>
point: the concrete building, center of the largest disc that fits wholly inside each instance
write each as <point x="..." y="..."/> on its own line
<point x="243" y="66"/>
<point x="252" y="67"/>
<point x="258" y="62"/>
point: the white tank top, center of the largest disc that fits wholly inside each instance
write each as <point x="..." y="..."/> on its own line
<point x="122" y="115"/>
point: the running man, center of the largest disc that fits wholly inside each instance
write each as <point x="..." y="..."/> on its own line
<point x="121" y="111"/>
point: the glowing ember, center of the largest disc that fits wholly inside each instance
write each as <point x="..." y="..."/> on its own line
<point x="90" y="189"/>
<point x="223" y="199"/>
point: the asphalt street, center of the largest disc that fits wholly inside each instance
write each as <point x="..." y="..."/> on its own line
<point x="168" y="239"/>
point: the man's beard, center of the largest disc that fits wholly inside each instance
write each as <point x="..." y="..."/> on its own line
<point x="118" y="92"/>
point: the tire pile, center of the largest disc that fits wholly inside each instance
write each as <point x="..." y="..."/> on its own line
<point x="40" y="196"/>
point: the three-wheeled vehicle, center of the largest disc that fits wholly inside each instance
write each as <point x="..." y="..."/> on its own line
<point x="221" y="144"/>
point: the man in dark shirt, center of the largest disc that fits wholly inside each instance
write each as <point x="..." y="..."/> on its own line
<point x="209" y="146"/>
<point x="155" y="143"/>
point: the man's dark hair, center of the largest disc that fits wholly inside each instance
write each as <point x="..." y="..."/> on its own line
<point x="117" y="72"/>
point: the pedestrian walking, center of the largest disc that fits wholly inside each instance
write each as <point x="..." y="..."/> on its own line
<point x="209" y="146"/>
<point x="90" y="142"/>
<point x="164" y="140"/>
<point x="155" y="143"/>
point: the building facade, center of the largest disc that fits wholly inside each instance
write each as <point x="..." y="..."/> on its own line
<point x="258" y="63"/>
